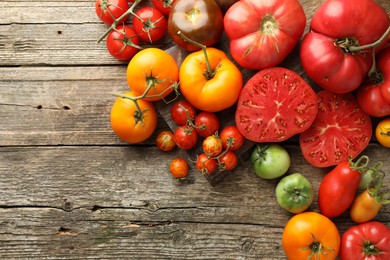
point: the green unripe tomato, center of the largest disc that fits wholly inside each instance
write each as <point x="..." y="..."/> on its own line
<point x="270" y="161"/>
<point x="294" y="193"/>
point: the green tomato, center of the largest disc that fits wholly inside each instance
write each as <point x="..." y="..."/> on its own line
<point x="270" y="161"/>
<point x="294" y="193"/>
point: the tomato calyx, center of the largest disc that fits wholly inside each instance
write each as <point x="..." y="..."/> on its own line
<point x="148" y="25"/>
<point x="374" y="188"/>
<point x="127" y="41"/>
<point x="370" y="249"/>
<point x="360" y="165"/>
<point x="268" y="25"/>
<point x="346" y="44"/>
<point x="317" y="249"/>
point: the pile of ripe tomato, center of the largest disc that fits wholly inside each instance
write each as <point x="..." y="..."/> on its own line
<point x="346" y="54"/>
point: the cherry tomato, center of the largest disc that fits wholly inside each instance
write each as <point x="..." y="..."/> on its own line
<point x="152" y="70"/>
<point x="310" y="235"/>
<point x="128" y="123"/>
<point x="182" y="112"/>
<point x="164" y="6"/>
<point x="149" y="24"/>
<point x="227" y="161"/>
<point x="206" y="123"/>
<point x="108" y="10"/>
<point x="122" y="43"/>
<point x="206" y="165"/>
<point x="382" y="132"/>
<point x="231" y="137"/>
<point x="185" y="137"/>
<point x="179" y="168"/>
<point x="212" y="146"/>
<point x="165" y="141"/>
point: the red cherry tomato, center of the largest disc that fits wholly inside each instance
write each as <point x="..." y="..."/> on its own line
<point x="227" y="161"/>
<point x="149" y="24"/>
<point x="232" y="137"/>
<point x="165" y="141"/>
<point x="108" y="10"/>
<point x="206" y="165"/>
<point x="122" y="43"/>
<point x="164" y="6"/>
<point x="182" y="111"/>
<point x="185" y="137"/>
<point x="179" y="168"/>
<point x="212" y="146"/>
<point x="206" y="123"/>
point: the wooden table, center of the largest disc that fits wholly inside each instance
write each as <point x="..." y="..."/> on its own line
<point x="70" y="189"/>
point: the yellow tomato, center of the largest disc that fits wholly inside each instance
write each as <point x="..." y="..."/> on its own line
<point x="382" y="132"/>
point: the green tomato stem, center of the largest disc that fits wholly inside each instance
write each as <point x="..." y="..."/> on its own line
<point x="371" y="45"/>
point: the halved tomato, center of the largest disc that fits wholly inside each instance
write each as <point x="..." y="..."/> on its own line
<point x="340" y="130"/>
<point x="275" y="104"/>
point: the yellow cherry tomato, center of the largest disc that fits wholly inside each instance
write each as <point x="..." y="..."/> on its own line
<point x="382" y="132"/>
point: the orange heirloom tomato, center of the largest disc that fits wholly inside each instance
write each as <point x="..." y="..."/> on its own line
<point x="211" y="88"/>
<point x="128" y="123"/>
<point x="152" y="70"/>
<point x="311" y="235"/>
<point x="382" y="132"/>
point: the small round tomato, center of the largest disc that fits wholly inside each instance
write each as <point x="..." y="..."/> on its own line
<point x="231" y="137"/>
<point x="185" y="137"/>
<point x="206" y="165"/>
<point x="270" y="161"/>
<point x="179" y="168"/>
<point x="206" y="123"/>
<point x="228" y="161"/>
<point x="128" y="123"/>
<point x="182" y="112"/>
<point x="382" y="132"/>
<point x="164" y="6"/>
<point x="294" y="193"/>
<point x="122" y="43"/>
<point x="149" y="24"/>
<point x="154" y="71"/>
<point x="165" y="141"/>
<point x="108" y="10"/>
<point x="310" y="235"/>
<point x="212" y="146"/>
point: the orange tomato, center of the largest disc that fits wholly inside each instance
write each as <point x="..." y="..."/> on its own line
<point x="364" y="207"/>
<point x="311" y="235"/>
<point x="382" y="132"/>
<point x="152" y="69"/>
<point x="130" y="125"/>
<point x="207" y="91"/>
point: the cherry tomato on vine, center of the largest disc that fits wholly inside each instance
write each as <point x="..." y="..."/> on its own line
<point x="206" y="165"/>
<point x="232" y="137"/>
<point x="206" y="123"/>
<point x="165" y="141"/>
<point x="129" y="124"/>
<point x="179" y="168"/>
<point x="212" y="146"/>
<point x="152" y="70"/>
<point x="227" y="161"/>
<point x="149" y="24"/>
<point x="164" y="6"/>
<point x="182" y="111"/>
<point x="185" y="137"/>
<point x="108" y="10"/>
<point x="122" y="42"/>
<point x="382" y="132"/>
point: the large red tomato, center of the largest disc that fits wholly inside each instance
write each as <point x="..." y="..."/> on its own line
<point x="263" y="33"/>
<point x="340" y="130"/>
<point x="275" y="104"/>
<point x="328" y="51"/>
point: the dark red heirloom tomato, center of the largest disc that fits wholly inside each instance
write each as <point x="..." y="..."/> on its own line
<point x="329" y="51"/>
<point x="108" y="10"/>
<point x="122" y="43"/>
<point x="370" y="240"/>
<point x="340" y="130"/>
<point x="199" y="20"/>
<point x="263" y="33"/>
<point x="275" y="104"/>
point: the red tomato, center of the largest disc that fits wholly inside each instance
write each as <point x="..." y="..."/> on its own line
<point x="275" y="104"/>
<point x="108" y="10"/>
<point x="228" y="161"/>
<point x="232" y="137"/>
<point x="165" y="141"/>
<point x="327" y="53"/>
<point x="150" y="24"/>
<point x="206" y="165"/>
<point x="263" y="33"/>
<point x="370" y="240"/>
<point x="338" y="188"/>
<point x="182" y="112"/>
<point x="212" y="146"/>
<point x="185" y="137"/>
<point x="179" y="168"/>
<point x="164" y="6"/>
<point x="206" y="123"/>
<point x="340" y="130"/>
<point x="122" y="43"/>
<point x="374" y="97"/>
